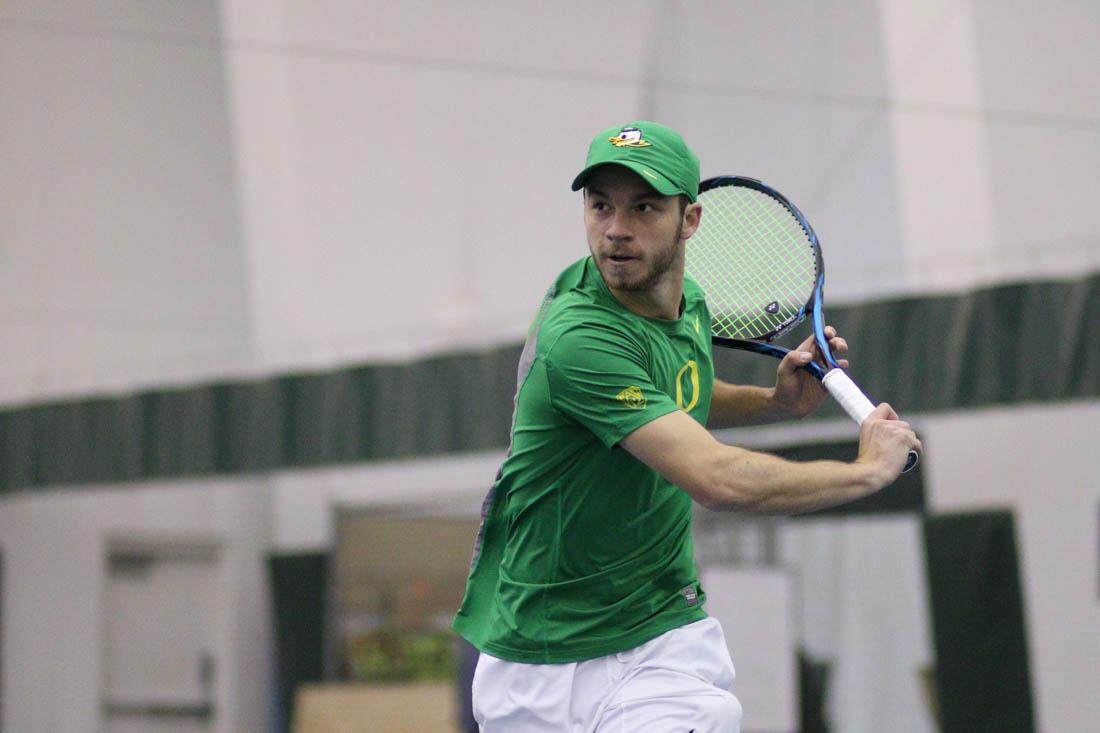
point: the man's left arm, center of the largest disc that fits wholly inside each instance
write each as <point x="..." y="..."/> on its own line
<point x="796" y="392"/>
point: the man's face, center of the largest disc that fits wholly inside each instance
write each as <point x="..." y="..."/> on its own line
<point x="635" y="234"/>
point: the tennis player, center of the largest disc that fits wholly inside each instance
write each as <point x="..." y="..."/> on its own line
<point x="583" y="596"/>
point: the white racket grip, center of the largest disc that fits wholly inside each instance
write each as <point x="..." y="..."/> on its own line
<point x="850" y="397"/>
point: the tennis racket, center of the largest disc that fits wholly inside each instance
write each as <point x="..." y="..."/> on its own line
<point x="759" y="264"/>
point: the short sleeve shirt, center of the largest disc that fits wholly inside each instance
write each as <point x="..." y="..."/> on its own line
<point x="584" y="550"/>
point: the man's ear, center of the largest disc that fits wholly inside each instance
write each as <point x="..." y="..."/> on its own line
<point x="693" y="214"/>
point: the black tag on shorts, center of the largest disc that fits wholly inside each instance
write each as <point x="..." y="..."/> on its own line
<point x="691" y="597"/>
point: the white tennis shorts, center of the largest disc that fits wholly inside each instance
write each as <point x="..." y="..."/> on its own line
<point x="676" y="683"/>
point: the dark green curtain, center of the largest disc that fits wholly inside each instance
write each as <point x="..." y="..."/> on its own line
<point x="983" y="682"/>
<point x="299" y="591"/>
<point x="920" y="354"/>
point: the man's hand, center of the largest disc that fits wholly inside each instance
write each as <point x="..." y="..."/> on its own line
<point x="885" y="442"/>
<point x="796" y="390"/>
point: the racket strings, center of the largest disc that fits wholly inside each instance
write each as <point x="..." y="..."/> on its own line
<point x="727" y="287"/>
<point x="776" y="277"/>
<point x="765" y="233"/>
<point x="754" y="261"/>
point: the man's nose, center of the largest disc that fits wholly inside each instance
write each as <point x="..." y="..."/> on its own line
<point x="619" y="226"/>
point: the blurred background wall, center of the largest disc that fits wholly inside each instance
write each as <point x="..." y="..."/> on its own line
<point x="200" y="199"/>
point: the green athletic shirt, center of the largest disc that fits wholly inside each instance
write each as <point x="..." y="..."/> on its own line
<point x="584" y="550"/>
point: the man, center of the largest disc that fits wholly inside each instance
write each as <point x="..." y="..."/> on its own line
<point x="583" y="596"/>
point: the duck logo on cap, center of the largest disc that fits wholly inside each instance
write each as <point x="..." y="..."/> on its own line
<point x="629" y="137"/>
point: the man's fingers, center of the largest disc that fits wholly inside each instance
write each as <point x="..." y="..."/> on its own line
<point x="837" y="344"/>
<point x="884" y="412"/>
<point x="799" y="356"/>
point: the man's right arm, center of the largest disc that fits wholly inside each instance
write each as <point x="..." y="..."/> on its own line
<point x="725" y="477"/>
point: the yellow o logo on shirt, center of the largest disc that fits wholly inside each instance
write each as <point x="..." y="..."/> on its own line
<point x="694" y="369"/>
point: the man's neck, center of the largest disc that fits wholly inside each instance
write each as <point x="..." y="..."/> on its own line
<point x="661" y="301"/>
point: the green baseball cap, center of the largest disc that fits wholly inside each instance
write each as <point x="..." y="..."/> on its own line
<point x="656" y="153"/>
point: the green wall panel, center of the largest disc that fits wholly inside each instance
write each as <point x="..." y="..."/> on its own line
<point x="983" y="678"/>
<point x="1008" y="344"/>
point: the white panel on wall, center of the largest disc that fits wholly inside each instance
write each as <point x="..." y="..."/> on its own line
<point x="863" y="613"/>
<point x="597" y="41"/>
<point x="120" y="246"/>
<point x="942" y="159"/>
<point x="756" y="609"/>
<point x="1041" y="59"/>
<point x="796" y="97"/>
<point x="931" y="58"/>
<point x="997" y="126"/>
<point x="392" y="210"/>
<point x="305" y="502"/>
<point x="1036" y="460"/>
<point x="181" y="20"/>
<point x="162" y="618"/>
<point x="1044" y="190"/>
<point x="216" y="189"/>
<point x="847" y="191"/>
<point x="947" y="212"/>
<point x="55" y="549"/>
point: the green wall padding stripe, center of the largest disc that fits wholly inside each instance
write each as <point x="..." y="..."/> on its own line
<point x="299" y="590"/>
<point x="983" y="681"/>
<point x="1028" y="342"/>
<point x="1009" y="344"/>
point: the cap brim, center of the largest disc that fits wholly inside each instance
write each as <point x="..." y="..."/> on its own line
<point x="656" y="181"/>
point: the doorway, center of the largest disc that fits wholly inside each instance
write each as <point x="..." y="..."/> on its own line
<point x="162" y="613"/>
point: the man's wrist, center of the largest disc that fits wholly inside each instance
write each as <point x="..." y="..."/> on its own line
<point x="781" y="408"/>
<point x="870" y="477"/>
<point x="778" y="407"/>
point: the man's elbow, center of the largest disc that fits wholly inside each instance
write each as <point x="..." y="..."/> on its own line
<point x="707" y="499"/>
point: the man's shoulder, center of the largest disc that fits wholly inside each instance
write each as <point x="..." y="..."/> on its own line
<point x="581" y="307"/>
<point x="576" y="323"/>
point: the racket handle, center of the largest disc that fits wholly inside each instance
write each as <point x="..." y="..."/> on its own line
<point x="855" y="403"/>
<point x="850" y="397"/>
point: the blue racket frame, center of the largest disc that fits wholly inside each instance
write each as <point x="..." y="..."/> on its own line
<point x="812" y="307"/>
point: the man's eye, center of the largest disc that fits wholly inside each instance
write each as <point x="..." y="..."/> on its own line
<point x="645" y="206"/>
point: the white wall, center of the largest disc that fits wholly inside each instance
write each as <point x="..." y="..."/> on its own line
<point x="120" y="257"/>
<point x="199" y="190"/>
<point x="194" y="190"/>
<point x="1039" y="461"/>
<point x="55" y="548"/>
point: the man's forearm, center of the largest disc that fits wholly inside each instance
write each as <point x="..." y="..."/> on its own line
<point x="726" y="477"/>
<point x="759" y="483"/>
